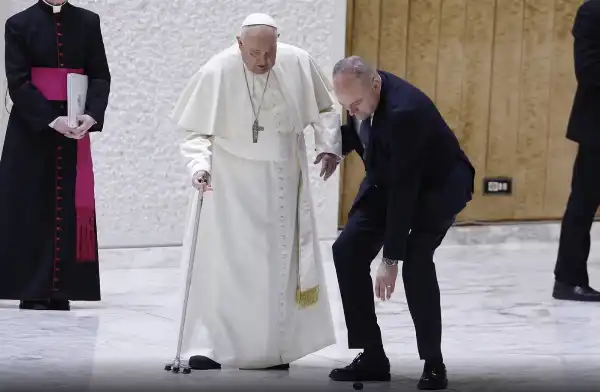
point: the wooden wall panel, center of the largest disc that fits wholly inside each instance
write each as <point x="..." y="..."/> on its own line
<point x="423" y="43"/>
<point x="503" y="129"/>
<point x="501" y="73"/>
<point x="393" y="40"/>
<point x="530" y="173"/>
<point x="450" y="75"/>
<point x="561" y="153"/>
<point x="475" y="105"/>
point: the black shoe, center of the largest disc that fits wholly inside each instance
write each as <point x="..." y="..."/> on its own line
<point x="60" y="304"/>
<point x="34" y="305"/>
<point x="364" y="368"/>
<point x="200" y="362"/>
<point x="433" y="378"/>
<point x="575" y="293"/>
<point x="283" y="366"/>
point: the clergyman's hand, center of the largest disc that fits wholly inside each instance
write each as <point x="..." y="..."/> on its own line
<point x="329" y="164"/>
<point x="385" y="281"/>
<point x="85" y="122"/>
<point x="61" y="125"/>
<point x="201" y="181"/>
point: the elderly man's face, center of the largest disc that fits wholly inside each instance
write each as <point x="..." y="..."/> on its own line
<point x="359" y="97"/>
<point x="56" y="2"/>
<point x="259" y="49"/>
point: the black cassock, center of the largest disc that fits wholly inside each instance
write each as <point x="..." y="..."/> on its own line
<point x="38" y="168"/>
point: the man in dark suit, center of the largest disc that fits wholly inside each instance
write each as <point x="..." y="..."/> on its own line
<point x="417" y="180"/>
<point x="571" y="276"/>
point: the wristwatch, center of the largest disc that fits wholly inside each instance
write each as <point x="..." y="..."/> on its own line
<point x="390" y="262"/>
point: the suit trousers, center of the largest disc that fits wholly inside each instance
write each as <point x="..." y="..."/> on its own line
<point x="584" y="199"/>
<point x="361" y="241"/>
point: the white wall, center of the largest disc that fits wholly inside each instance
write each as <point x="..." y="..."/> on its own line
<point x="153" y="47"/>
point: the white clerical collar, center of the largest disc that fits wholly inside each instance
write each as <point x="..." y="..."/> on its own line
<point x="55" y="8"/>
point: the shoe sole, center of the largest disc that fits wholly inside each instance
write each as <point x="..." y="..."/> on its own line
<point x="378" y="378"/>
<point x="575" y="299"/>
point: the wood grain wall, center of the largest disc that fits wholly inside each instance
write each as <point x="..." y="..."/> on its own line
<point x="501" y="73"/>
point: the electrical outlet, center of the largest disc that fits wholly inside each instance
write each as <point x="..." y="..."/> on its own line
<point x="497" y="186"/>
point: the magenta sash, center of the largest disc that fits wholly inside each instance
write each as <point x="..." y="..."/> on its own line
<point x="52" y="83"/>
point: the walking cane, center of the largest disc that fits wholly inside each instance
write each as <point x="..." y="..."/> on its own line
<point x="176" y="366"/>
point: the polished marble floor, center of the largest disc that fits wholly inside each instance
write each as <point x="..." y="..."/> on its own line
<point x="503" y="331"/>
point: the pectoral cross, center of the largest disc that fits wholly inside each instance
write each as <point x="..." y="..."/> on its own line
<point x="255" y="130"/>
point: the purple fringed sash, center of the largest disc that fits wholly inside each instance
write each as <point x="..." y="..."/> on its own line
<point x="52" y="83"/>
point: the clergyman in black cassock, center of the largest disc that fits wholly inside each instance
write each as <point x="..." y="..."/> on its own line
<point x="48" y="239"/>
<point x="417" y="180"/>
<point x="571" y="275"/>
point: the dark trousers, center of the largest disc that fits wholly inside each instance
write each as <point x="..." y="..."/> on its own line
<point x="574" y="245"/>
<point x="362" y="239"/>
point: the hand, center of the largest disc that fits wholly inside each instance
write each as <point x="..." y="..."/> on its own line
<point x="385" y="281"/>
<point x="62" y="126"/>
<point x="330" y="163"/>
<point x="201" y="180"/>
<point x="85" y="122"/>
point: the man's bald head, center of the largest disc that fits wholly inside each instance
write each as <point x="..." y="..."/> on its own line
<point x="357" y="86"/>
<point x="258" y="44"/>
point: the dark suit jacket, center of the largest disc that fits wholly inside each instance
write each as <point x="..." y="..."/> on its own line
<point x="411" y="151"/>
<point x="584" y="122"/>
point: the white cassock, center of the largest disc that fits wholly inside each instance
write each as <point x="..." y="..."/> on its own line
<point x="258" y="296"/>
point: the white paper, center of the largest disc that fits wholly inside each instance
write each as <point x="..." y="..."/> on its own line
<point x="76" y="95"/>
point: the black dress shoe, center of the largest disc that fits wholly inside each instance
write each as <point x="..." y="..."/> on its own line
<point x="575" y="293"/>
<point x="368" y="367"/>
<point x="200" y="362"/>
<point x="283" y="366"/>
<point x="60" y="304"/>
<point x="433" y="378"/>
<point x="34" y="305"/>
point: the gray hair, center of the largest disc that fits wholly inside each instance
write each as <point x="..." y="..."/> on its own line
<point x="356" y="66"/>
<point x="245" y="29"/>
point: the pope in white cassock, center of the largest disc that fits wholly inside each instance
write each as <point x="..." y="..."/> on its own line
<point x="258" y="298"/>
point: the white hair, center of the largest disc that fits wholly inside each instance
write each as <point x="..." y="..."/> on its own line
<point x="245" y="29"/>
